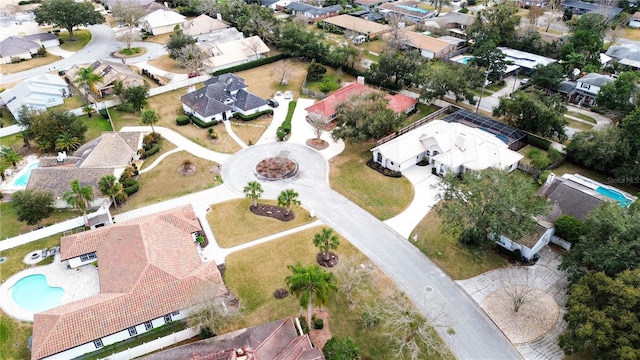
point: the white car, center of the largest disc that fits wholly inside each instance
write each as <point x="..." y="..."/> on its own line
<point x="288" y="95"/>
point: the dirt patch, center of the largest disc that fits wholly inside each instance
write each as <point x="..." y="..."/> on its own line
<point x="320" y="337"/>
<point x="187" y="170"/>
<point x="534" y="319"/>
<point x="271" y="211"/>
<point x="317" y="144"/>
<point x="330" y="262"/>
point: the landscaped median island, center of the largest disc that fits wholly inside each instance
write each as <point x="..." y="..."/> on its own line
<point x="228" y="217"/>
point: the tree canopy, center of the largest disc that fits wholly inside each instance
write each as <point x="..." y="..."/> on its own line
<point x="456" y="80"/>
<point x="46" y="127"/>
<point x="497" y="24"/>
<point x="311" y="285"/>
<point x="488" y="202"/>
<point x="397" y="69"/>
<point x="603" y="316"/>
<point x="67" y="14"/>
<point x="619" y="94"/>
<point x="336" y="349"/>
<point x="587" y="38"/>
<point x="365" y="117"/>
<point x="534" y="111"/>
<point x="32" y="206"/>
<point x="177" y="41"/>
<point x="548" y="77"/>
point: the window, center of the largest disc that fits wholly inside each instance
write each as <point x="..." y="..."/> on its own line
<point x="133" y="331"/>
<point x="98" y="343"/>
<point x="148" y="325"/>
<point x="167" y="318"/>
<point x="89" y="256"/>
<point x="176" y="313"/>
<point x="379" y="158"/>
<point x="442" y="169"/>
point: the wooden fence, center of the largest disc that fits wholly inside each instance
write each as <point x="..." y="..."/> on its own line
<point x="434" y="115"/>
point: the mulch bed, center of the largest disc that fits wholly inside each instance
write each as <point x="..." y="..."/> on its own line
<point x="272" y="211"/>
<point x="187" y="170"/>
<point x="331" y="262"/>
<point x="317" y="144"/>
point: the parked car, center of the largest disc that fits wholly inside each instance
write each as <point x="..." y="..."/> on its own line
<point x="288" y="95"/>
<point x="525" y="81"/>
<point x="273" y="103"/>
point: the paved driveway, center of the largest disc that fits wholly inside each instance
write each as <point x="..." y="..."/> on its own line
<point x="476" y="337"/>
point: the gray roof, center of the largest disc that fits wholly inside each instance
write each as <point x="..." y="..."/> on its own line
<point x="453" y="17"/>
<point x="367" y="15"/>
<point x="566" y="87"/>
<point x="56" y="179"/>
<point x="275" y="340"/>
<point x="569" y="198"/>
<point x="247" y="101"/>
<point x="313" y="10"/>
<point x="14" y="45"/>
<point x="232" y="82"/>
<point x="624" y="51"/>
<point x="204" y="104"/>
<point x="41" y="37"/>
<point x="605" y="10"/>
<point x="595" y="79"/>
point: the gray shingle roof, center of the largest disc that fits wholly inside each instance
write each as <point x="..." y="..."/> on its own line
<point x="14" y="45"/>
<point x="247" y="101"/>
<point x="204" y="104"/>
<point x="625" y="51"/>
<point x="226" y="92"/>
<point x="571" y="200"/>
<point x="232" y="82"/>
<point x="313" y="10"/>
<point x="40" y="37"/>
<point x="595" y="79"/>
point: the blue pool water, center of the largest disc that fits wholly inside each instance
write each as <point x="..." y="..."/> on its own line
<point x="464" y="60"/>
<point x="412" y="8"/>
<point x="499" y="136"/>
<point x="33" y="293"/>
<point x="620" y="198"/>
<point x="23" y="180"/>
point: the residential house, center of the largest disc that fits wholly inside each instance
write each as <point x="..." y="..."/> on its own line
<point x="368" y="15"/>
<point x="634" y="21"/>
<point x="24" y="47"/>
<point x="369" y="3"/>
<point x="232" y="53"/>
<point x="325" y="109"/>
<point x="588" y="86"/>
<point x="161" y="21"/>
<point x="111" y="73"/>
<point x="357" y="25"/>
<point x="526" y="62"/>
<point x="220" y="36"/>
<point x="112" y="3"/>
<point x="581" y="7"/>
<point x="454" y="22"/>
<point x="203" y="24"/>
<point x="626" y="54"/>
<point x="408" y="10"/>
<point x="572" y="195"/>
<point x="37" y="93"/>
<point x="220" y="97"/>
<point x="275" y="340"/>
<point x="449" y="147"/>
<point x="150" y="274"/>
<point x="108" y="154"/>
<point x="428" y="46"/>
<point x="313" y="13"/>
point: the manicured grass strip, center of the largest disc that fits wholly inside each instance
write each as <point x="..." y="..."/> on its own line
<point x="13" y="338"/>
<point x="14" y="263"/>
<point x="382" y="196"/>
<point x="443" y="249"/>
<point x="233" y="223"/>
<point x="10" y="226"/>
<point x="82" y="38"/>
<point x="582" y="116"/>
<point x="579" y="125"/>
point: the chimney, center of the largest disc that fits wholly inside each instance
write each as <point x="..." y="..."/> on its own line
<point x="550" y="178"/>
<point x="360" y="80"/>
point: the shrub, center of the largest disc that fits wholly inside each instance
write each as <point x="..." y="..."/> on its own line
<point x="569" y="228"/>
<point x="538" y="142"/>
<point x="369" y="319"/>
<point x="281" y="293"/>
<point x="132" y="189"/>
<point x="240" y="116"/>
<point x="304" y="325"/>
<point x="328" y="84"/>
<point x="128" y="174"/>
<point x="203" y="125"/>
<point x="464" y="10"/>
<point x="316" y="71"/>
<point x="251" y="64"/>
<point x="206" y="332"/>
<point x="554" y="155"/>
<point x="121" y="197"/>
<point x="183" y="120"/>
<point x="281" y="133"/>
<point x="318" y="324"/>
<point x="104" y="114"/>
<point x="129" y="182"/>
<point x="286" y="125"/>
<point x="124" y="107"/>
<point x="383" y="170"/>
<point x="154" y="149"/>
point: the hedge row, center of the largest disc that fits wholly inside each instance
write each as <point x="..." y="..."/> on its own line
<point x="538" y="142"/>
<point x="383" y="170"/>
<point x="202" y="124"/>
<point x="240" y="116"/>
<point x="286" y="125"/>
<point x="152" y="151"/>
<point x="251" y="64"/>
<point x="130" y="190"/>
<point x="183" y="120"/>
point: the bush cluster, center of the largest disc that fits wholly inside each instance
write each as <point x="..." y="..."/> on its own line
<point x="383" y="170"/>
<point x="130" y="190"/>
<point x="240" y="116"/>
<point x="285" y="128"/>
<point x="152" y="77"/>
<point x="183" y="120"/>
<point x="203" y="125"/>
<point x="538" y="142"/>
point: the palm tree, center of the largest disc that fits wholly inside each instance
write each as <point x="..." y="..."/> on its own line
<point x="3" y="167"/>
<point x="310" y="285"/>
<point x="326" y="241"/>
<point x="42" y="145"/>
<point x="67" y="142"/>
<point x="79" y="197"/>
<point x="10" y="155"/>
<point x="253" y="190"/>
<point x="150" y="117"/>
<point x="287" y="198"/>
<point x="87" y="78"/>
<point x="109" y="186"/>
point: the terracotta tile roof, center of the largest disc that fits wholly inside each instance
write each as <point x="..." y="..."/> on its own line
<point x="147" y="267"/>
<point x="277" y="340"/>
<point x="111" y="150"/>
<point x="327" y="106"/>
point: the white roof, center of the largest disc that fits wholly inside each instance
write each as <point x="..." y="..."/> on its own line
<point x="162" y="17"/>
<point x="456" y="143"/>
<point x="203" y="24"/>
<point x="232" y="51"/>
<point x="525" y="59"/>
<point x="21" y="94"/>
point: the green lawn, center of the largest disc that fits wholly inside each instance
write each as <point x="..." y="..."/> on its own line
<point x="255" y="285"/>
<point x="13" y="338"/>
<point x="382" y="196"/>
<point x="582" y="116"/>
<point x="423" y="110"/>
<point x="579" y="125"/>
<point x="74" y="102"/>
<point x="10" y="226"/>
<point x="82" y="38"/>
<point x="443" y="248"/>
<point x="225" y="217"/>
<point x="14" y="263"/>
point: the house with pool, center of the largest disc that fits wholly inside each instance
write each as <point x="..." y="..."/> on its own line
<point x="150" y="273"/>
<point x="108" y="154"/>
<point x="572" y="194"/>
<point x="461" y="142"/>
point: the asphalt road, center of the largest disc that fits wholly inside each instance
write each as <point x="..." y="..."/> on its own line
<point x="101" y="46"/>
<point x="436" y="295"/>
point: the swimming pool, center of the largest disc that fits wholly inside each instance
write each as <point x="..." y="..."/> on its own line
<point x="23" y="179"/>
<point x="464" y="59"/>
<point x="503" y="138"/>
<point x="413" y="8"/>
<point x="34" y="294"/>
<point x="615" y="195"/>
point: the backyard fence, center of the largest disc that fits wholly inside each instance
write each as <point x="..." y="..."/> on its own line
<point x="406" y="129"/>
<point x="309" y="92"/>
<point x="153" y="345"/>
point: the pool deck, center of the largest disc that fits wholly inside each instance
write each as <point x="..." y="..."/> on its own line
<point x="9" y="184"/>
<point x="77" y="283"/>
